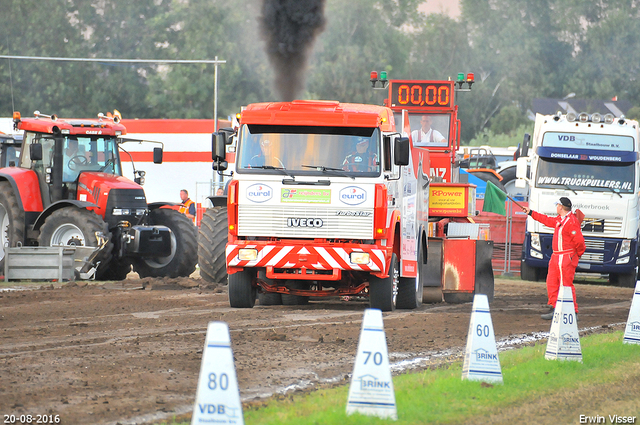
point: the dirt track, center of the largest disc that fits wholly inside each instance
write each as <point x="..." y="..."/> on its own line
<point x="117" y="353"/>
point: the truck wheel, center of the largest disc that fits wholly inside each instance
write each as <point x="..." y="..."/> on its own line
<point x="383" y="292"/>
<point x="268" y="298"/>
<point x="11" y="220"/>
<point x="624" y="280"/>
<point x="295" y="299"/>
<point x="529" y="273"/>
<point x="242" y="293"/>
<point x="73" y="226"/>
<point x="410" y="288"/>
<point x="212" y="241"/>
<point x="184" y="247"/>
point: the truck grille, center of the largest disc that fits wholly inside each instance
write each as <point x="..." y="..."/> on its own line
<point x="598" y="227"/>
<point x="274" y="221"/>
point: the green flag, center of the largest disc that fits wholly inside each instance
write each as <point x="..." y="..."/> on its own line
<point x="494" y="200"/>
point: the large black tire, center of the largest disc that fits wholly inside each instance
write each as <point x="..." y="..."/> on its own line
<point x="184" y="247"/>
<point x="212" y="241"/>
<point x="72" y="226"/>
<point x="242" y="292"/>
<point x="114" y="270"/>
<point x="295" y="299"/>
<point x="383" y="292"/>
<point x="529" y="273"/>
<point x="268" y="298"/>
<point x="11" y="221"/>
<point x="624" y="280"/>
<point x="509" y="182"/>
<point x="410" y="289"/>
<point x="489" y="177"/>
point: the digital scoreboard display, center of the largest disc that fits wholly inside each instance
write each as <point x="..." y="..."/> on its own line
<point x="421" y="94"/>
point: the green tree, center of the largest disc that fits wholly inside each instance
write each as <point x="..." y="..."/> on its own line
<point x="607" y="59"/>
<point x="36" y="28"/>
<point x="519" y="53"/>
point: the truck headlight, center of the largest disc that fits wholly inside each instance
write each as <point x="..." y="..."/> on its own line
<point x="535" y="241"/>
<point x="247" y="254"/>
<point x="359" y="257"/>
<point x="625" y="247"/>
<point x="121" y="211"/>
<point x="535" y="254"/>
<point x="624" y="260"/>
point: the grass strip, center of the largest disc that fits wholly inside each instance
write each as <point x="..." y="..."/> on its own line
<point x="442" y="397"/>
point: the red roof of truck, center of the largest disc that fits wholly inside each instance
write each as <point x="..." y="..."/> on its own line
<point x="319" y="113"/>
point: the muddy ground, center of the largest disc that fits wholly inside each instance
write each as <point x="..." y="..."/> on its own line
<point x="129" y="352"/>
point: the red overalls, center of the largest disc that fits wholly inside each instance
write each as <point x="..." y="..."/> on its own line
<point x="568" y="247"/>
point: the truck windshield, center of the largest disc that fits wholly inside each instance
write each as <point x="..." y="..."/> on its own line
<point x="309" y="150"/>
<point x="586" y="175"/>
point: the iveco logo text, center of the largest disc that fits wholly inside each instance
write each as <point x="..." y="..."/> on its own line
<point x="259" y="193"/>
<point x="353" y="195"/>
<point x="304" y="222"/>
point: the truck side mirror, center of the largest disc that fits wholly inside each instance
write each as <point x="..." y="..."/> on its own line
<point x="218" y="146"/>
<point x="401" y="151"/>
<point x="157" y="155"/>
<point x="524" y="150"/>
<point x="220" y="165"/>
<point x="35" y="151"/>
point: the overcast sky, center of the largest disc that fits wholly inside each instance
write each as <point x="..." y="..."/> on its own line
<point x="450" y="7"/>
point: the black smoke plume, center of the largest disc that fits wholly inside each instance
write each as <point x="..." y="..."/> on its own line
<point x="290" y="28"/>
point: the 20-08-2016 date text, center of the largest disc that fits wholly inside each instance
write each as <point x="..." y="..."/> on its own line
<point x="31" y="419"/>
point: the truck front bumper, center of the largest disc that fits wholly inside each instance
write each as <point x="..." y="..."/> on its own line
<point x="310" y="261"/>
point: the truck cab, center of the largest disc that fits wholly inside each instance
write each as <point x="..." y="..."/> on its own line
<point x="323" y="202"/>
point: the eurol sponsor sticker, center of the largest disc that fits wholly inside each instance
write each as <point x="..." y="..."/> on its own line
<point x="259" y="193"/>
<point x="352" y="195"/>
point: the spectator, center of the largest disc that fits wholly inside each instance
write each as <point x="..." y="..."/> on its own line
<point x="187" y="207"/>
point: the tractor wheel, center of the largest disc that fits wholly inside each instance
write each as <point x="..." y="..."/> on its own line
<point x="489" y="177"/>
<point x="509" y="183"/>
<point x="383" y="292"/>
<point x="410" y="288"/>
<point x="242" y="292"/>
<point x="115" y="270"/>
<point x="11" y="220"/>
<point x="184" y="247"/>
<point x="212" y="241"/>
<point x="73" y="226"/>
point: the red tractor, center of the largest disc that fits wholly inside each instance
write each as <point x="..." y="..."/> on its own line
<point x="67" y="189"/>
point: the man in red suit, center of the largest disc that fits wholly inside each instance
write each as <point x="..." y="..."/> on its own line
<point x="568" y="247"/>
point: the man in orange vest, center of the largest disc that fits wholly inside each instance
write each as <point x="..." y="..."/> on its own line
<point x="188" y="207"/>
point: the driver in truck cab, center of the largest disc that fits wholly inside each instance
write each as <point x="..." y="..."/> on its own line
<point x="265" y="157"/>
<point x="361" y="160"/>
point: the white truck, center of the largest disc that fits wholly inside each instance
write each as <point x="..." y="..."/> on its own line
<point x="592" y="160"/>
